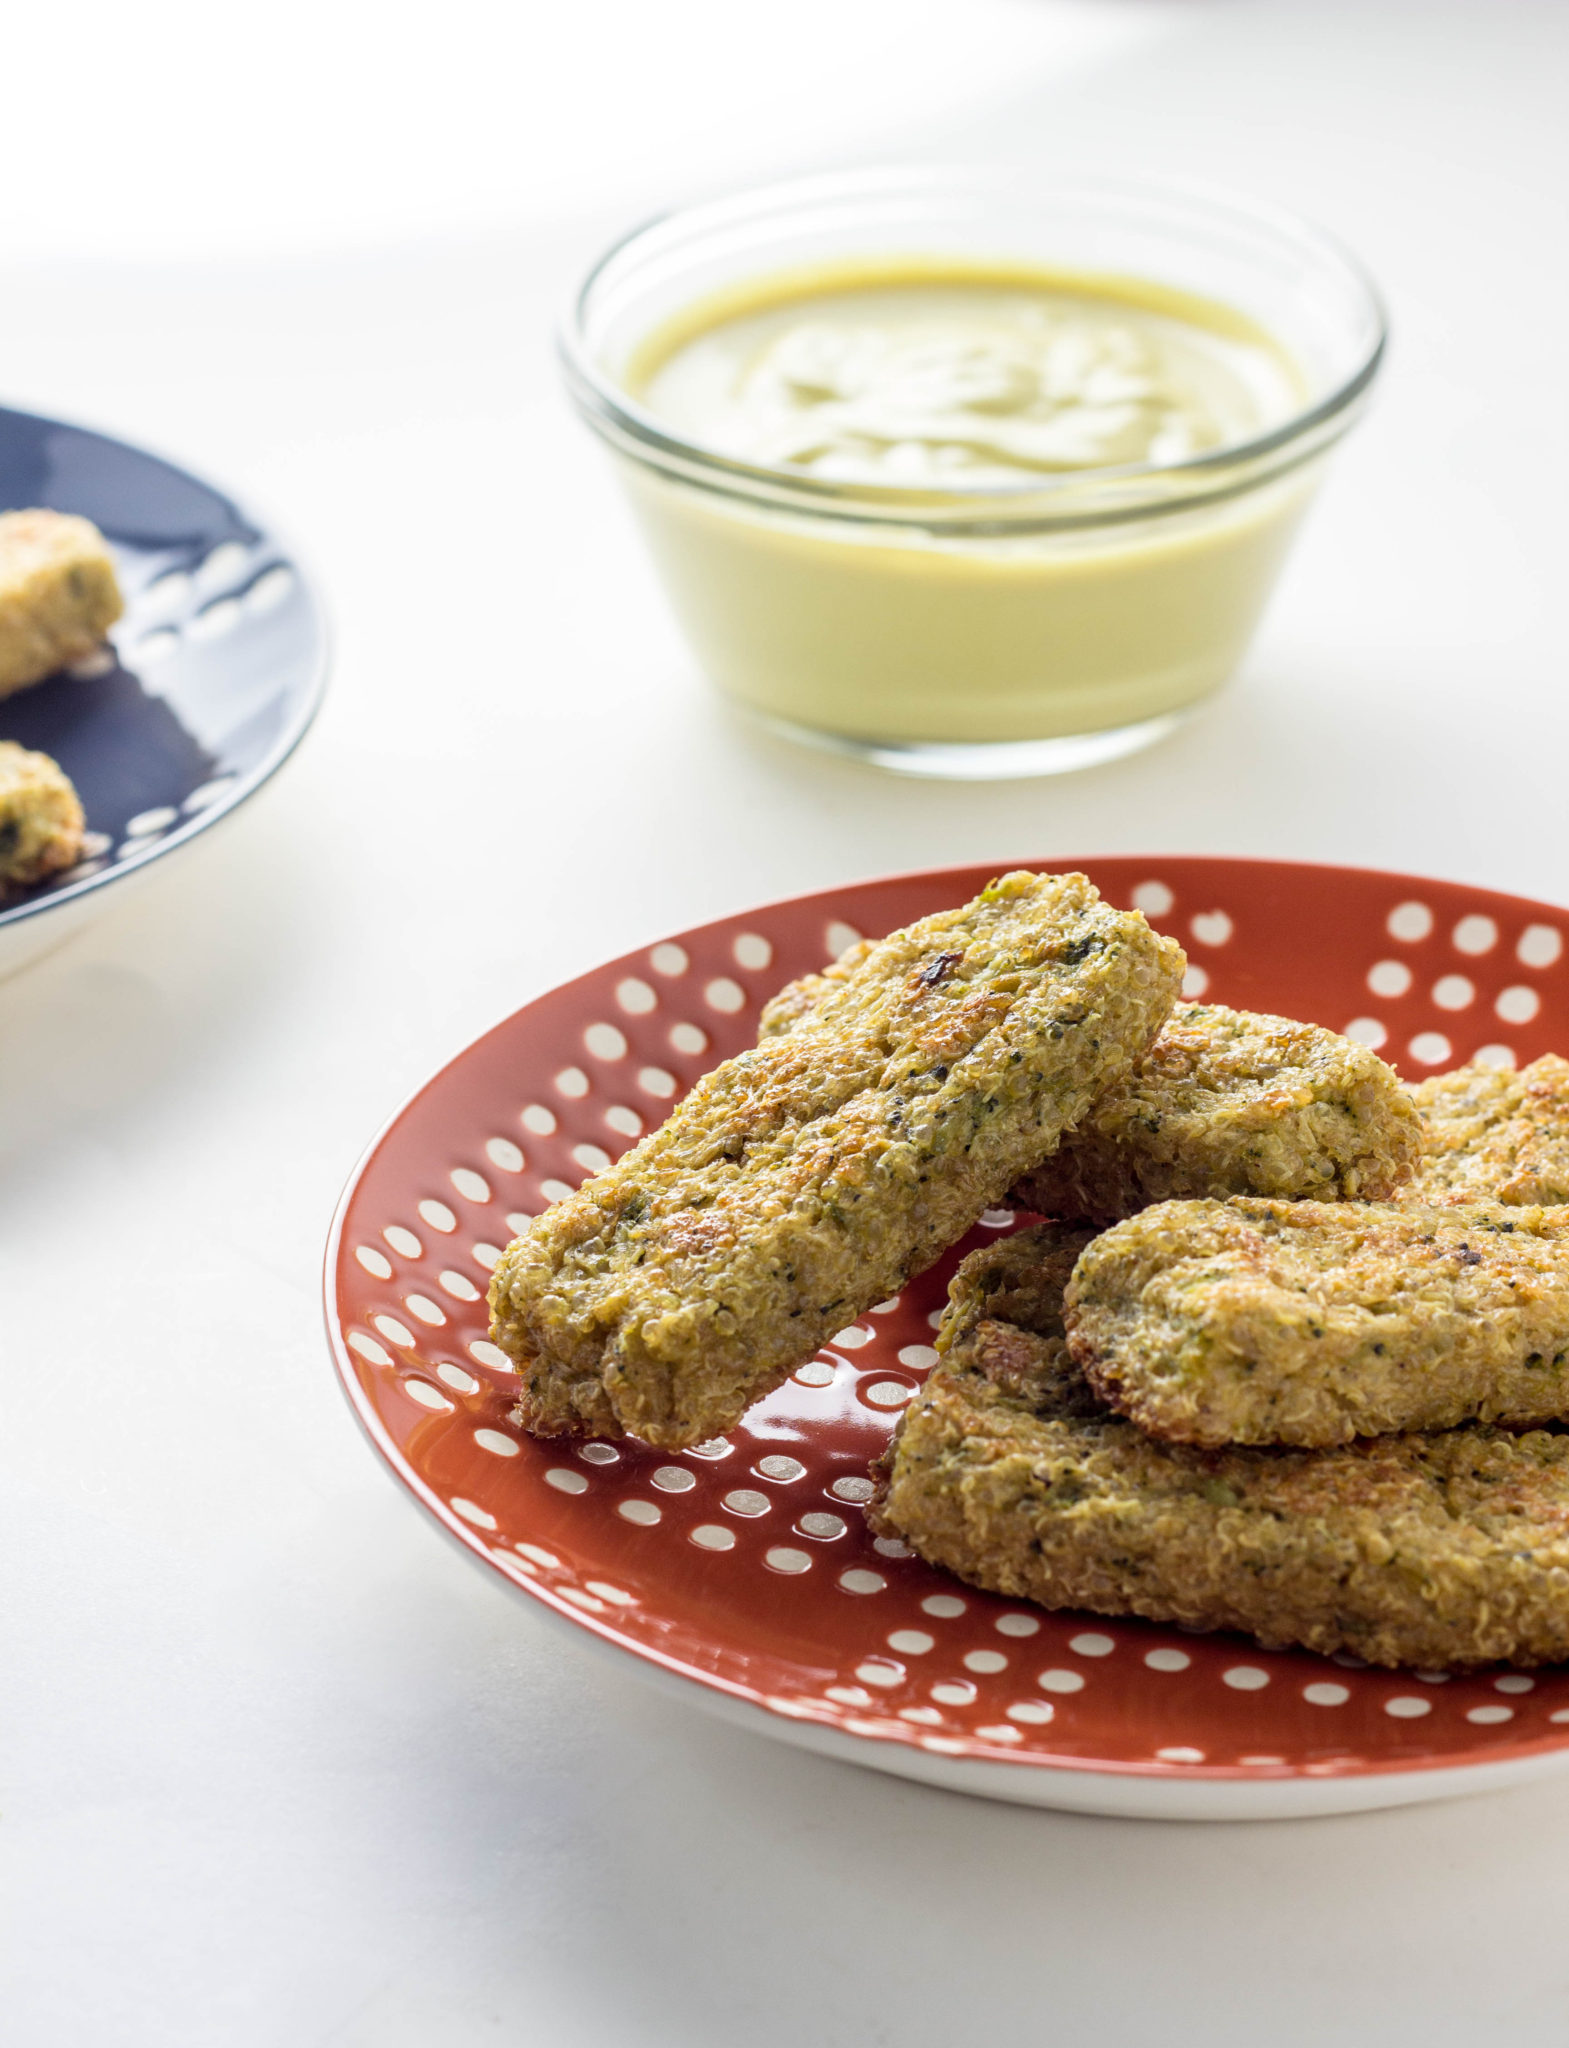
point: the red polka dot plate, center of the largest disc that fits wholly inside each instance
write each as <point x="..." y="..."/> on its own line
<point x="741" y="1573"/>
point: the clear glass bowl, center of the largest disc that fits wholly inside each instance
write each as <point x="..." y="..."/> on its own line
<point x="977" y="632"/>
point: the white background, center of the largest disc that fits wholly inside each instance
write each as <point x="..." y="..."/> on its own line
<point x="275" y="1766"/>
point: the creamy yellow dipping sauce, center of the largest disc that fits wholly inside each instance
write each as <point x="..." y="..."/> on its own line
<point x="964" y="383"/>
<point x="935" y="381"/>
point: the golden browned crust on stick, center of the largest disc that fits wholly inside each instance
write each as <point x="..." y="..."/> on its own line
<point x="1230" y="1102"/>
<point x="1437" y="1552"/>
<point x="1495" y="1136"/>
<point x="1312" y="1323"/>
<point x="40" y="818"/>
<point x="805" y="1179"/>
<point x="58" y="594"/>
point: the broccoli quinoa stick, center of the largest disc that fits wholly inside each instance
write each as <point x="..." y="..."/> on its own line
<point x="808" y="1177"/>
<point x="1495" y="1136"/>
<point x="1437" y="1552"/>
<point x="1312" y="1323"/>
<point x="58" y="594"/>
<point x="40" y="818"/>
<point x="1226" y="1102"/>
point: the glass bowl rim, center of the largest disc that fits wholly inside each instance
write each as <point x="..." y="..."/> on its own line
<point x="617" y="416"/>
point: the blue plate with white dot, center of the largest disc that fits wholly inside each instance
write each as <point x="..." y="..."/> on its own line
<point x="213" y="675"/>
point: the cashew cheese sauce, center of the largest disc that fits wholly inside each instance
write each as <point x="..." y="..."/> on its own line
<point x="932" y="378"/>
<point x="967" y="383"/>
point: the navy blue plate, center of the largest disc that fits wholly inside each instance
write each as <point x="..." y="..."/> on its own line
<point x="217" y="667"/>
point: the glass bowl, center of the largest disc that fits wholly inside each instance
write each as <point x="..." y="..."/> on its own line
<point x="981" y="631"/>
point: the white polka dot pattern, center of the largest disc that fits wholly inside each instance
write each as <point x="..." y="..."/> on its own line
<point x="987" y="1661"/>
<point x="1475" y="935"/>
<point x="745" y="1500"/>
<point x="817" y="1373"/>
<point x="427" y="1396"/>
<point x="1061" y="1681"/>
<point x="1389" y="978"/>
<point x="1368" y="1031"/>
<point x="889" y="1393"/>
<point x="1167" y="1660"/>
<point x="1326" y="1694"/>
<point x="825" y="1527"/>
<point x="1245" y="1678"/>
<point x="781" y="1558"/>
<point x="1518" y="1005"/>
<point x="909" y="1655"/>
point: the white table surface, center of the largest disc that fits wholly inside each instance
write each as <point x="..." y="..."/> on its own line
<point x="275" y="1765"/>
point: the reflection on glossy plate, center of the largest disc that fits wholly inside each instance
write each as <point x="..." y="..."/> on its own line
<point x="216" y="670"/>
<point x="741" y="1574"/>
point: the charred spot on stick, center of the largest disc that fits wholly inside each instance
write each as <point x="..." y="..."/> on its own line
<point x="936" y="970"/>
